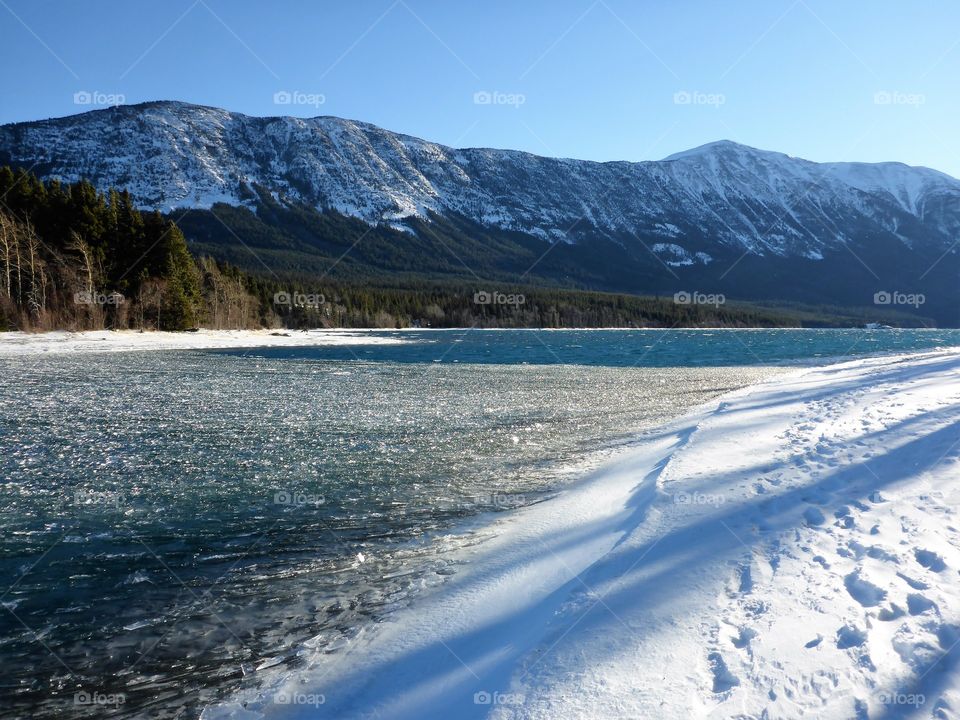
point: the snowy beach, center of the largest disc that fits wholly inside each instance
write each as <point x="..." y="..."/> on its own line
<point x="13" y="344"/>
<point x="788" y="551"/>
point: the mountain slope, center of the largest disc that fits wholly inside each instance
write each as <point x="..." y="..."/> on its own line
<point x="690" y="216"/>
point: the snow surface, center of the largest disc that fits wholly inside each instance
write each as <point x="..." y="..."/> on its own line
<point x="678" y="256"/>
<point x="14" y="344"/>
<point x="789" y="551"/>
<point x="902" y="183"/>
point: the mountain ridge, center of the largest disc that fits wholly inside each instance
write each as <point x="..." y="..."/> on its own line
<point x="355" y="121"/>
<point x="691" y="218"/>
<point x="383" y="177"/>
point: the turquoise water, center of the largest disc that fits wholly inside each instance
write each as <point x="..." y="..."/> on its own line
<point x="177" y="525"/>
<point x="625" y="348"/>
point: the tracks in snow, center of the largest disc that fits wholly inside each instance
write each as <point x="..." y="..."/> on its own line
<point x="865" y="562"/>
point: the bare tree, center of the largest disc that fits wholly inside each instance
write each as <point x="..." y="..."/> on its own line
<point x="150" y="302"/>
<point x="7" y="238"/>
<point x="36" y="297"/>
<point x="78" y="245"/>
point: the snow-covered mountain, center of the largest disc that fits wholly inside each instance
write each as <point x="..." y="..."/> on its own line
<point x="175" y="155"/>
<point x="721" y="218"/>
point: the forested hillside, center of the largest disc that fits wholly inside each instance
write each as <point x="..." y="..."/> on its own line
<point x="71" y="257"/>
<point x="74" y="258"/>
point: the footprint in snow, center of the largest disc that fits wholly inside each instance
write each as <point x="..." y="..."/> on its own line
<point x="878" y="552"/>
<point x="863" y="591"/>
<point x="723" y="679"/>
<point x="742" y="641"/>
<point x="915" y="584"/>
<point x="917" y="604"/>
<point x="850" y="636"/>
<point x="891" y="613"/>
<point x="929" y="560"/>
<point x="813" y="517"/>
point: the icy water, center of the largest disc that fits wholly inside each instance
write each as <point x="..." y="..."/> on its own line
<point x="178" y="525"/>
<point x="627" y="348"/>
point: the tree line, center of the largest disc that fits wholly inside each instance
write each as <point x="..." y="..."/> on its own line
<point x="75" y="258"/>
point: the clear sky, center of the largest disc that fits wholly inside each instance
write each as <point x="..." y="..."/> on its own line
<point x="595" y="79"/>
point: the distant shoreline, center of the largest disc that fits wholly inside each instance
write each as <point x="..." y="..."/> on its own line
<point x="23" y="344"/>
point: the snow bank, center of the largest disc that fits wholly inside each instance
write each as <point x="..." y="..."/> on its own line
<point x="790" y="551"/>
<point x="14" y="344"/>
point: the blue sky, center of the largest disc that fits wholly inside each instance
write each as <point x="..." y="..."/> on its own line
<point x="595" y="79"/>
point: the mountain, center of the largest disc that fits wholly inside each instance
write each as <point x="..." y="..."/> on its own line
<point x="723" y="217"/>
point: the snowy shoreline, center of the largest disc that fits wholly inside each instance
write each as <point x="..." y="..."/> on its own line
<point x="16" y="344"/>
<point x="789" y="549"/>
